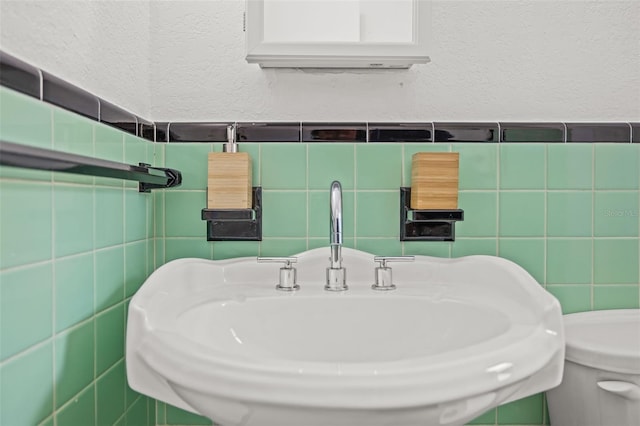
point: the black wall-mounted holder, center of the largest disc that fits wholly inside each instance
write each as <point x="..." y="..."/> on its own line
<point x="236" y="224"/>
<point x="426" y="225"/>
<point x="174" y="178"/>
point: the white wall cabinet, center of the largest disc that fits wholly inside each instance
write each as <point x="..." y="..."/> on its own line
<point x="337" y="33"/>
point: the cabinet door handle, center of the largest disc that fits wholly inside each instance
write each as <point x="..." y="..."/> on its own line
<point x="626" y="390"/>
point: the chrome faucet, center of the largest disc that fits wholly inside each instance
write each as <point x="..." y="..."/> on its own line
<point x="336" y="274"/>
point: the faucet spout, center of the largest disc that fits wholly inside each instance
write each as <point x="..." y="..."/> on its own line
<point x="335" y="224"/>
<point x="335" y="272"/>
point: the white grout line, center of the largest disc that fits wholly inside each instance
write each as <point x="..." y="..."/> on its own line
<point x="53" y="292"/>
<point x="546" y="217"/>
<point x="403" y="245"/>
<point x="450" y="244"/>
<point x="355" y="196"/>
<point x="95" y="331"/>
<point x="41" y="83"/>
<point x="498" y="234"/>
<point x="27" y="351"/>
<point x="306" y="177"/>
<point x="593" y="219"/>
<point x="260" y="171"/>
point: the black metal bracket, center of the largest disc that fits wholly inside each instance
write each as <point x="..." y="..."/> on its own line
<point x="174" y="178"/>
<point x="236" y="224"/>
<point x="426" y="225"/>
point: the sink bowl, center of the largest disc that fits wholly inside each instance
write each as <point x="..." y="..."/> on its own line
<point x="456" y="338"/>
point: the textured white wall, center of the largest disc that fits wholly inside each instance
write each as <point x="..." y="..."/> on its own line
<point x="492" y="60"/>
<point x="99" y="45"/>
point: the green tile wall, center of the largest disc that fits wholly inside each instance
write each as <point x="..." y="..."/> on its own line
<point x="72" y="250"/>
<point x="568" y="213"/>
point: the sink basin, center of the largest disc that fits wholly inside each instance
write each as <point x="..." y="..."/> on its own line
<point x="456" y="338"/>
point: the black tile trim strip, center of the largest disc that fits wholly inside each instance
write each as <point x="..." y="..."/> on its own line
<point x="58" y="92"/>
<point x="18" y="75"/>
<point x="400" y="132"/>
<point x="27" y="79"/>
<point x="269" y="132"/>
<point x="197" y="132"/>
<point x="118" y="117"/>
<point x="334" y="132"/>
<point x="427" y="132"/>
<point x="466" y="132"/>
<point x="599" y="132"/>
<point x="146" y="129"/>
<point x="162" y="132"/>
<point x="533" y="132"/>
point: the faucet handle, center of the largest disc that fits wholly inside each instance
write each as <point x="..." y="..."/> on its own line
<point x="384" y="259"/>
<point x="287" y="260"/>
<point x="383" y="278"/>
<point x="287" y="272"/>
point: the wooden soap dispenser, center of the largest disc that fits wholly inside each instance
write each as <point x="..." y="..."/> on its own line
<point x="229" y="177"/>
<point x="429" y="208"/>
<point x="434" y="180"/>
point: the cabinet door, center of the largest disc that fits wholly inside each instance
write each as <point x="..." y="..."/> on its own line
<point x="360" y="33"/>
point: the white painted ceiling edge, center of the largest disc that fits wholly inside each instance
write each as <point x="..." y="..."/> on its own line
<point x="491" y="61"/>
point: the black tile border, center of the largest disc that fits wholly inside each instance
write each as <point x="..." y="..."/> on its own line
<point x="400" y="132"/>
<point x="58" y="92"/>
<point x="533" y="132"/>
<point x="269" y="132"/>
<point x="466" y="132"/>
<point x="162" y="132"/>
<point x="334" y="132"/>
<point x="20" y="76"/>
<point x="599" y="132"/>
<point x="146" y="129"/>
<point x="197" y="132"/>
<point x="117" y="117"/>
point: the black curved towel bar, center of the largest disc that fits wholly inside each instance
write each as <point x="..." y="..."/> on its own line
<point x="24" y="156"/>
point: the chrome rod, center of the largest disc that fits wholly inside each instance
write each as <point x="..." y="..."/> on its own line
<point x="30" y="157"/>
<point x="335" y="223"/>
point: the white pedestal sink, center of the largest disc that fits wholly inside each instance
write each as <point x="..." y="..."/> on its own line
<point x="457" y="337"/>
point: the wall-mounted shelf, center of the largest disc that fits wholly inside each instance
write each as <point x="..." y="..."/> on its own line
<point x="337" y="34"/>
<point x="236" y="224"/>
<point x="426" y="225"/>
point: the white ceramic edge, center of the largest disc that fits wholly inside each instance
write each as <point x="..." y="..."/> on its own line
<point x="601" y="356"/>
<point x="143" y="378"/>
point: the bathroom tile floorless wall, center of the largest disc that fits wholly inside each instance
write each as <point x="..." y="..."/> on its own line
<point x="75" y="249"/>
<point x="567" y="213"/>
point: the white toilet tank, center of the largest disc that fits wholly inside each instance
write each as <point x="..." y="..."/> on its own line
<point x="601" y="381"/>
